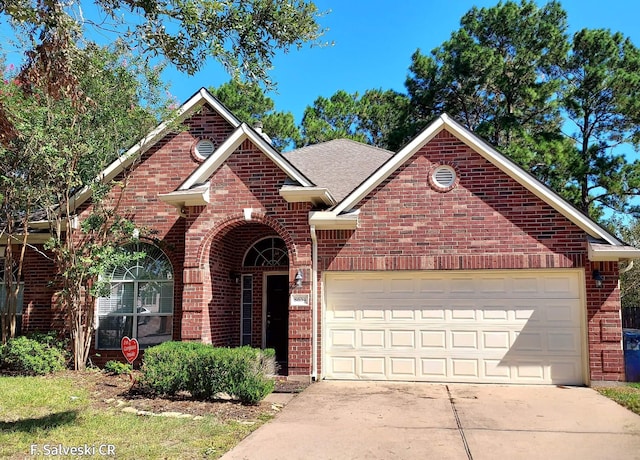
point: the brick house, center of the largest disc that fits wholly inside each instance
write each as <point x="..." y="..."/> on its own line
<point x="443" y="261"/>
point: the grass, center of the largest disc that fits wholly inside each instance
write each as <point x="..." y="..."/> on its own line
<point x="52" y="411"/>
<point x="625" y="395"/>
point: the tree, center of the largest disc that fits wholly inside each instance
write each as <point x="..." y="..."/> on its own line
<point x="381" y="114"/>
<point x="249" y="103"/>
<point x="371" y="118"/>
<point x="601" y="84"/>
<point x="64" y="143"/>
<point x="63" y="112"/>
<point x="497" y="75"/>
<point x="242" y="35"/>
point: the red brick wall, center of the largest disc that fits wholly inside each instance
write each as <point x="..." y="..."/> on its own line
<point x="604" y="323"/>
<point x="217" y="238"/>
<point x="38" y="313"/>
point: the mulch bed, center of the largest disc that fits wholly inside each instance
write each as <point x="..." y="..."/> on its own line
<point x="109" y="391"/>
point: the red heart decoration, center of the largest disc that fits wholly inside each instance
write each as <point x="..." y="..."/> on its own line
<point x="130" y="348"/>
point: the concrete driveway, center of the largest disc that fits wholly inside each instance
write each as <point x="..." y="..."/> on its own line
<point x="365" y="420"/>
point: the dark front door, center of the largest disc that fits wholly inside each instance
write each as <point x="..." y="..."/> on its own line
<point x="277" y="334"/>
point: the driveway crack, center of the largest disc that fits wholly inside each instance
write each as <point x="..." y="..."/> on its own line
<point x="460" y="429"/>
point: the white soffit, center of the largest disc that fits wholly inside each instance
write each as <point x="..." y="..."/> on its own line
<point x="599" y="252"/>
<point x="196" y="196"/>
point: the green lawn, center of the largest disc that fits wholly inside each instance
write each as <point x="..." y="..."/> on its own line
<point x="39" y="414"/>
<point x="625" y="395"/>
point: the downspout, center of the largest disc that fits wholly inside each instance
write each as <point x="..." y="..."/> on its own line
<point x="314" y="304"/>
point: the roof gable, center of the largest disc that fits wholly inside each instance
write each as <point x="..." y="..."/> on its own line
<point x="218" y="157"/>
<point x="195" y="102"/>
<point x="490" y="154"/>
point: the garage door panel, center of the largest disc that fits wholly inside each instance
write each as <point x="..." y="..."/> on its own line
<point x="373" y="367"/>
<point x="434" y="368"/>
<point x="372" y="338"/>
<point x="402" y="368"/>
<point x="343" y="338"/>
<point x="433" y="339"/>
<point x="475" y="327"/>
<point x="496" y="340"/>
<point x="373" y="314"/>
<point x="464" y="368"/>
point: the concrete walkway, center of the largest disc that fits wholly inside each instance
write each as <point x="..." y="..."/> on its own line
<point x="358" y="420"/>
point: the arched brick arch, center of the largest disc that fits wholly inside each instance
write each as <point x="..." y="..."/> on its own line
<point x="237" y="220"/>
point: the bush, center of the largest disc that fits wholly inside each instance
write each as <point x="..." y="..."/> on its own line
<point x="31" y="357"/>
<point x="117" y="368"/>
<point x="206" y="371"/>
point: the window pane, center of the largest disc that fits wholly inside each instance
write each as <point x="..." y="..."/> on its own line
<point x="19" y="300"/>
<point x="153" y="330"/>
<point x="111" y="329"/>
<point x="120" y="301"/>
<point x="154" y="297"/>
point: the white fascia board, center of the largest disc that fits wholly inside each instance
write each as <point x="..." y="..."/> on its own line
<point x="197" y="196"/>
<point x="529" y="182"/>
<point x="126" y="159"/>
<point x="315" y="195"/>
<point x="275" y="156"/>
<point x="329" y="220"/>
<point x="218" y="107"/>
<point x="491" y="155"/>
<point x="600" y="253"/>
<point x="211" y="164"/>
<point x="40" y="224"/>
<point x="217" y="158"/>
<point x="390" y="166"/>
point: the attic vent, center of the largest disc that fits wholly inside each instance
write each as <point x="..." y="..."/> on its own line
<point x="444" y="177"/>
<point x="204" y="148"/>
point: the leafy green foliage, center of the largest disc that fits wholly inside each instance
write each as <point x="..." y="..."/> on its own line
<point x="511" y="74"/>
<point x="242" y="36"/>
<point x="371" y="118"/>
<point x="59" y="146"/>
<point x="205" y="371"/>
<point x="248" y="102"/>
<point x="602" y="80"/>
<point x="31" y="357"/>
<point x="495" y="74"/>
<point x="117" y="368"/>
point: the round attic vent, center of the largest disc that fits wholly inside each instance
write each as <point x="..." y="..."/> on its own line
<point x="444" y="177"/>
<point x="204" y="148"/>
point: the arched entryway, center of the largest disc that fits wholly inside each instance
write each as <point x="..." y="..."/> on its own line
<point x="249" y="272"/>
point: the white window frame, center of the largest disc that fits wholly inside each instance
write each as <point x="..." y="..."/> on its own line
<point x="135" y="314"/>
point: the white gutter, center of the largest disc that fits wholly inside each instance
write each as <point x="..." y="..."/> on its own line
<point x="314" y="303"/>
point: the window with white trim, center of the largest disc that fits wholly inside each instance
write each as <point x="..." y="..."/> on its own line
<point x="267" y="252"/>
<point x="140" y="305"/>
<point x="19" y="299"/>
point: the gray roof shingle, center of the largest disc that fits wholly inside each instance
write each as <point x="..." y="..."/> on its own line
<point x="339" y="165"/>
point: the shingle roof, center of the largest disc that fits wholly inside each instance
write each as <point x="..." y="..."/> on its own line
<point x="339" y="165"/>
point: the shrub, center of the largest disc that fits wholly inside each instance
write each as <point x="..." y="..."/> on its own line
<point x="206" y="371"/>
<point x="117" y="368"/>
<point x="31" y="357"/>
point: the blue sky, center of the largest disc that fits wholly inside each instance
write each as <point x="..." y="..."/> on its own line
<point x="374" y="40"/>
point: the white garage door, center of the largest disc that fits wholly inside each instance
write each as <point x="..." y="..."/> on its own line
<point x="480" y="326"/>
